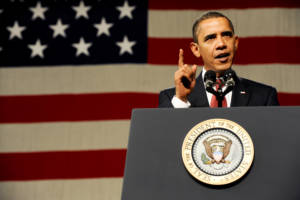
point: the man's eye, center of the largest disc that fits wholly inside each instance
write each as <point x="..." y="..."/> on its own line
<point x="227" y="33"/>
<point x="209" y="37"/>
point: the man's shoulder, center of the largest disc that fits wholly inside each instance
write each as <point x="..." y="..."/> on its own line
<point x="169" y="91"/>
<point x="250" y="84"/>
<point x="165" y="97"/>
<point x="260" y="94"/>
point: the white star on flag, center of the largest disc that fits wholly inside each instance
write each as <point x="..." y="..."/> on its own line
<point x="38" y="11"/>
<point x="82" y="47"/>
<point x="59" y="29"/>
<point x="37" y="49"/>
<point x="16" y="30"/>
<point x="126" y="46"/>
<point x="81" y="10"/>
<point x="125" y="10"/>
<point x="103" y="27"/>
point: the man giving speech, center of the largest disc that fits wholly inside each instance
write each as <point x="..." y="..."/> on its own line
<point x="217" y="85"/>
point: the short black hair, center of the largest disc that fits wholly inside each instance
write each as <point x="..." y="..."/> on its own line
<point x="208" y="15"/>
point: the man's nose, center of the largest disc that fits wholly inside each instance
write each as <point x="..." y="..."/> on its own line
<point x="221" y="43"/>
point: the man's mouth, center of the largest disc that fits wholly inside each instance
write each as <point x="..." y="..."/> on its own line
<point x="222" y="55"/>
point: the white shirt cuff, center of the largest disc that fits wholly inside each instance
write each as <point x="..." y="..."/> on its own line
<point x="178" y="103"/>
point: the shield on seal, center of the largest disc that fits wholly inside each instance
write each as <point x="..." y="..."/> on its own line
<point x="217" y="154"/>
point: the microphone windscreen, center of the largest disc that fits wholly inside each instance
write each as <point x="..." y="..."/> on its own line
<point x="210" y="76"/>
<point x="228" y="74"/>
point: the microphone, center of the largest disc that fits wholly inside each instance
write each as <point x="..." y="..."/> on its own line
<point x="229" y="78"/>
<point x="209" y="80"/>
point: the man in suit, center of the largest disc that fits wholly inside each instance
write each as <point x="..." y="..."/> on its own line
<point x="216" y="43"/>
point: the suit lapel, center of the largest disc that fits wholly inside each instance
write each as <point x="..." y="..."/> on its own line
<point x="198" y="96"/>
<point x="240" y="95"/>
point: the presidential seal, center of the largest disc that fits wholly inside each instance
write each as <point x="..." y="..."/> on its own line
<point x="217" y="151"/>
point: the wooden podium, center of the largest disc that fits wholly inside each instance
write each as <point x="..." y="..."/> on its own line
<point x="155" y="170"/>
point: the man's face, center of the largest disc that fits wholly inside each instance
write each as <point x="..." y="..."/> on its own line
<point x="216" y="44"/>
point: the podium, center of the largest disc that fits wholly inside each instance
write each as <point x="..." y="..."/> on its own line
<point x="155" y="170"/>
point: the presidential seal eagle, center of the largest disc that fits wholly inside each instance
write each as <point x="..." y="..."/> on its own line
<point x="217" y="148"/>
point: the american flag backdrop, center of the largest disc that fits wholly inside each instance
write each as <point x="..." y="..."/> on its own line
<point x="71" y="71"/>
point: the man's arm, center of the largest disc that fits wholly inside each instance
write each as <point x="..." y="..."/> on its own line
<point x="184" y="71"/>
<point x="273" y="98"/>
<point x="177" y="97"/>
<point x="167" y="99"/>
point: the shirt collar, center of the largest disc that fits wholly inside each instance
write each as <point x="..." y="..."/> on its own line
<point x="203" y="73"/>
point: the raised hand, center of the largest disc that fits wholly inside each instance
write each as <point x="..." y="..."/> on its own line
<point x="184" y="78"/>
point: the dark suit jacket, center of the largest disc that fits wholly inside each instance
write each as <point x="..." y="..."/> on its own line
<point x="245" y="93"/>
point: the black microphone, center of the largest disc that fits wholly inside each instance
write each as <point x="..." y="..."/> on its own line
<point x="209" y="80"/>
<point x="229" y="77"/>
<point x="229" y="80"/>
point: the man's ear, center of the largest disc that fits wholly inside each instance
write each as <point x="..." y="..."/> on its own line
<point x="236" y="42"/>
<point x="195" y="49"/>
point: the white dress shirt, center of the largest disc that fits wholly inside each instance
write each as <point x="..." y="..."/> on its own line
<point x="178" y="103"/>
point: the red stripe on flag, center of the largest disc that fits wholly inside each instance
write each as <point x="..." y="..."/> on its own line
<point x="165" y="51"/>
<point x="221" y="4"/>
<point x="289" y="99"/>
<point x="25" y="109"/>
<point x="73" y="107"/>
<point x="254" y="50"/>
<point x="268" y="50"/>
<point x="62" y="165"/>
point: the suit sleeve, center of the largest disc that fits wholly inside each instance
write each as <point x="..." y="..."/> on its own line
<point x="165" y="99"/>
<point x="273" y="98"/>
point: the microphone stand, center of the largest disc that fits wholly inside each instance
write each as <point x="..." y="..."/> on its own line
<point x="219" y="93"/>
<point x="228" y="79"/>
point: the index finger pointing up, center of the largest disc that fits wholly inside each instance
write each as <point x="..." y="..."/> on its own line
<point x="180" y="59"/>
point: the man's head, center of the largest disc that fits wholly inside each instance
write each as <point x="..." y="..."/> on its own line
<point x="214" y="41"/>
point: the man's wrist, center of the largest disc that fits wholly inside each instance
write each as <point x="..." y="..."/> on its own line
<point x="178" y="103"/>
<point x="184" y="99"/>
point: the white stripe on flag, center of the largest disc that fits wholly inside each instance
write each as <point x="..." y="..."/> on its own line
<point x="61" y="136"/>
<point x="84" y="79"/>
<point x="127" y="78"/>
<point x="247" y="22"/>
<point x="91" y="189"/>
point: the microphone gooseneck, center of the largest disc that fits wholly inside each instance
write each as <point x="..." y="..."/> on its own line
<point x="210" y="80"/>
<point x="227" y="80"/>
